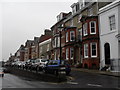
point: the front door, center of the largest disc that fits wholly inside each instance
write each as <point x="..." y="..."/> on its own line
<point x="107" y="53"/>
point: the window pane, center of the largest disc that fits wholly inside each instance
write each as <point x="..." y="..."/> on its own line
<point x="71" y="53"/>
<point x="112" y="22"/>
<point x="93" y="27"/>
<point x="72" y="35"/>
<point x="92" y="30"/>
<point x="85" y="29"/>
<point x="92" y="24"/>
<point x="93" y="49"/>
<point x="85" y="50"/>
<point x="67" y="37"/>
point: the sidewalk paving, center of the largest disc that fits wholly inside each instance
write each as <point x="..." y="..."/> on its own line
<point x="116" y="74"/>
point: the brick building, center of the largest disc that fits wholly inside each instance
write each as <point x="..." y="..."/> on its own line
<point x="90" y="42"/>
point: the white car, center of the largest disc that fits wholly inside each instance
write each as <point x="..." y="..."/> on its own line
<point x="40" y="63"/>
<point x="1" y="72"/>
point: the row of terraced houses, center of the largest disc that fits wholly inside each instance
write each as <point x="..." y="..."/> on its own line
<point x="88" y="36"/>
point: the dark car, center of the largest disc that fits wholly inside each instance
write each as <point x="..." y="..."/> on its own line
<point x="54" y="67"/>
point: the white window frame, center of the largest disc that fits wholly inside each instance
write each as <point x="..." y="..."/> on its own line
<point x="85" y="50"/>
<point x="85" y="31"/>
<point x="71" y="35"/>
<point x="67" y="53"/>
<point x="71" y="53"/>
<point x="92" y="27"/>
<point x="113" y="23"/>
<point x="92" y="49"/>
<point x="66" y="36"/>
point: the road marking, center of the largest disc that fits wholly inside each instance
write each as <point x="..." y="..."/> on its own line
<point x="75" y="83"/>
<point x="96" y="85"/>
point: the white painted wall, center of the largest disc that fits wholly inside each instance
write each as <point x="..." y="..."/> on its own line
<point x="106" y="35"/>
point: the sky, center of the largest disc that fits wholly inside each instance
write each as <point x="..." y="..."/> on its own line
<point x="21" y="20"/>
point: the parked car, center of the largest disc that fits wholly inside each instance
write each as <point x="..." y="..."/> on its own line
<point x="23" y="65"/>
<point x="29" y="64"/>
<point x="18" y="64"/>
<point x="40" y="63"/>
<point x="1" y="72"/>
<point x="54" y="67"/>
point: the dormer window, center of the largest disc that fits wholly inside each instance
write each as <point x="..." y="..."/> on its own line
<point x="81" y="3"/>
<point x="74" y="10"/>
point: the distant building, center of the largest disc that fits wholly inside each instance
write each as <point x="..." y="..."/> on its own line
<point x="28" y="49"/>
<point x="22" y="52"/>
<point x="35" y="48"/>
<point x="56" y="29"/>
<point x="45" y="45"/>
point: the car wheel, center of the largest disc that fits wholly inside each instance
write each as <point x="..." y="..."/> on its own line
<point x="2" y="75"/>
<point x="56" y="72"/>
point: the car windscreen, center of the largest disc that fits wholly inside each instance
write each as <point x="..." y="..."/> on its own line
<point x="53" y="63"/>
<point x="44" y="60"/>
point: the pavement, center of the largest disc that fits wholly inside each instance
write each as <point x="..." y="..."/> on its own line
<point x="116" y="74"/>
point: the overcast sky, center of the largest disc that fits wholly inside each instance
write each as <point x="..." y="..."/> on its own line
<point x="24" y="19"/>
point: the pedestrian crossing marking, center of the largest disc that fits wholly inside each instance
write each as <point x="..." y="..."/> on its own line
<point x="94" y="85"/>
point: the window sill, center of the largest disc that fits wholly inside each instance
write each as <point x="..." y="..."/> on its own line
<point x="85" y="57"/>
<point x="92" y="33"/>
<point x="93" y="56"/>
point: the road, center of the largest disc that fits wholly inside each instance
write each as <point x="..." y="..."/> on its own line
<point x="75" y="80"/>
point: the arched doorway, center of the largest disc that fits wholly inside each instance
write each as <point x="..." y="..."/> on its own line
<point x="107" y="53"/>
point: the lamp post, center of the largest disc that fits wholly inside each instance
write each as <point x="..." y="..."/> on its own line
<point x="60" y="46"/>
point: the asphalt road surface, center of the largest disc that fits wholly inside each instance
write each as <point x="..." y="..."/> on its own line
<point x="75" y="80"/>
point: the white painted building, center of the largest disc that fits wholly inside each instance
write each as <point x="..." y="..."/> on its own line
<point x="109" y="21"/>
<point x="44" y="48"/>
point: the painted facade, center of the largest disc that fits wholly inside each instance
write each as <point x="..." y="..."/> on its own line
<point x="109" y="34"/>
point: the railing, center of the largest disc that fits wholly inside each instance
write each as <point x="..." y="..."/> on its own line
<point x="115" y="65"/>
